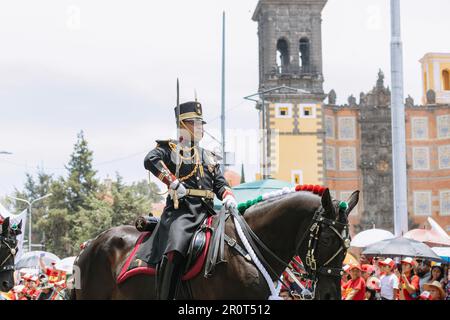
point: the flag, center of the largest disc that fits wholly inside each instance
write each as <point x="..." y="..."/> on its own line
<point x="15" y="219"/>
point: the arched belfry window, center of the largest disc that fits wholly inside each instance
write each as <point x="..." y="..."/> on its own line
<point x="282" y="55"/>
<point x="446" y="80"/>
<point x="304" y="53"/>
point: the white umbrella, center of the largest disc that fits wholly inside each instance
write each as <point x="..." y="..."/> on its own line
<point x="65" y="264"/>
<point x="435" y="226"/>
<point x="368" y="237"/>
<point x="31" y="259"/>
<point x="443" y="252"/>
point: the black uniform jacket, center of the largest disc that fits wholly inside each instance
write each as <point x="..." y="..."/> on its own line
<point x="199" y="170"/>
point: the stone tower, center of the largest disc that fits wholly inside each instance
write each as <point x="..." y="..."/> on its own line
<point x="290" y="56"/>
<point x="376" y="157"/>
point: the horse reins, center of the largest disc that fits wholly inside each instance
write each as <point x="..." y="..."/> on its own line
<point x="311" y="262"/>
<point x="12" y="253"/>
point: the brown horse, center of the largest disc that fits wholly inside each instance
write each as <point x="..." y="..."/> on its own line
<point x="8" y="250"/>
<point x="280" y="223"/>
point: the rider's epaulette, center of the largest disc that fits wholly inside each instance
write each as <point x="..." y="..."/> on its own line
<point x="211" y="157"/>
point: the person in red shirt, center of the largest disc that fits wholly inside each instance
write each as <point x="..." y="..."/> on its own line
<point x="355" y="288"/>
<point x="409" y="283"/>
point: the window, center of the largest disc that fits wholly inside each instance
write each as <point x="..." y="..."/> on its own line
<point x="307" y="111"/>
<point x="446" y="80"/>
<point x="347" y="159"/>
<point x="444" y="201"/>
<point x="422" y="203"/>
<point x="443" y="123"/>
<point x="297" y="176"/>
<point x="329" y="127"/>
<point x="347" y="130"/>
<point x="283" y="110"/>
<point x="282" y="55"/>
<point x="304" y="54"/>
<point x="330" y="158"/>
<point x="421" y="158"/>
<point x="444" y="157"/>
<point x="419" y="129"/>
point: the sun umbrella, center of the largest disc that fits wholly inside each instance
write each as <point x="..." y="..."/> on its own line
<point x="65" y="264"/>
<point x="368" y="237"/>
<point x="443" y="252"/>
<point x="436" y="227"/>
<point x="31" y="259"/>
<point x="401" y="247"/>
<point x="428" y="236"/>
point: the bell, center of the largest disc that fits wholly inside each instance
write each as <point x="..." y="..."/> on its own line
<point x="13" y="252"/>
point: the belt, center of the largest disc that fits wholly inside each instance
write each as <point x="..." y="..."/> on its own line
<point x="208" y="194"/>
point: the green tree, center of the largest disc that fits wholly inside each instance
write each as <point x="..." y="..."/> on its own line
<point x="55" y="227"/>
<point x="81" y="182"/>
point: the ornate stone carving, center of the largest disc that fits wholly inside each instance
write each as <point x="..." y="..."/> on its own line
<point x="431" y="97"/>
<point x="380" y="81"/>
<point x="352" y="101"/>
<point x="332" y="97"/>
<point x="409" y="102"/>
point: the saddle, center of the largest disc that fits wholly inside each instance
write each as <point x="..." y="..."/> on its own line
<point x="206" y="248"/>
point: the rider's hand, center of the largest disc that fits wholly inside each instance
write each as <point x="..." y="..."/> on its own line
<point x="179" y="188"/>
<point x="229" y="202"/>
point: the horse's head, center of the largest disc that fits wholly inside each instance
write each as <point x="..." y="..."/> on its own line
<point x="327" y="245"/>
<point x="8" y="250"/>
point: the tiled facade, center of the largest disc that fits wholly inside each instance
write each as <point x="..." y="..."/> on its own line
<point x="428" y="163"/>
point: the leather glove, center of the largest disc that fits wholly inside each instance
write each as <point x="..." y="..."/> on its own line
<point x="179" y="188"/>
<point x="229" y="202"/>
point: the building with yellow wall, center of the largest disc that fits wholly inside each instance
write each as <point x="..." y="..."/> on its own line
<point x="436" y="76"/>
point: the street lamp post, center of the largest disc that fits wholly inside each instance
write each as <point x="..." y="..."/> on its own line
<point x="30" y="205"/>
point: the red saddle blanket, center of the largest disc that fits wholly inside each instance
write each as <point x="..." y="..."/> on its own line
<point x="133" y="266"/>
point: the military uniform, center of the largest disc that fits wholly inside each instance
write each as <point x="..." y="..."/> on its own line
<point x="200" y="178"/>
<point x="199" y="172"/>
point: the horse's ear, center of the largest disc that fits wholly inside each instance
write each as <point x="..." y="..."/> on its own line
<point x="5" y="226"/>
<point x="19" y="226"/>
<point x="352" y="201"/>
<point x="327" y="204"/>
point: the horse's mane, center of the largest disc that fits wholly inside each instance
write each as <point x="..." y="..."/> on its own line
<point x="271" y="197"/>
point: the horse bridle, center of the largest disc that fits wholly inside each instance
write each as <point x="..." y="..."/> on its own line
<point x="11" y="244"/>
<point x="341" y="230"/>
<point x="314" y="231"/>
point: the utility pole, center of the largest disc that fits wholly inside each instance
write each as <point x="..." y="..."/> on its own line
<point x="398" y="125"/>
<point x="222" y="118"/>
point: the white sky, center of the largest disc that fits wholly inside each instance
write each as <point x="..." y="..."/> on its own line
<point x="109" y="67"/>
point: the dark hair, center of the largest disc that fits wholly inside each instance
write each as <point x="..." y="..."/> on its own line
<point x="440" y="269"/>
<point x="372" y="294"/>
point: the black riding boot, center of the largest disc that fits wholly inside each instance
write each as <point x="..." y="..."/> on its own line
<point x="168" y="277"/>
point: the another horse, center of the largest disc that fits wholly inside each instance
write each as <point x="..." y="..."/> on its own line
<point x="8" y="250"/>
<point x="282" y="223"/>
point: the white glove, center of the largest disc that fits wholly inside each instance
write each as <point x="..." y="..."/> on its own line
<point x="179" y="188"/>
<point x="229" y="202"/>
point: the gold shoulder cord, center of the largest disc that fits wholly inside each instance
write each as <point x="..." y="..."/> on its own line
<point x="197" y="161"/>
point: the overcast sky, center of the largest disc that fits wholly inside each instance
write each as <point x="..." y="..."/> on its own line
<point x="109" y="67"/>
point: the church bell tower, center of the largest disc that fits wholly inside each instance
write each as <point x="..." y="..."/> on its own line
<point x="291" y="89"/>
